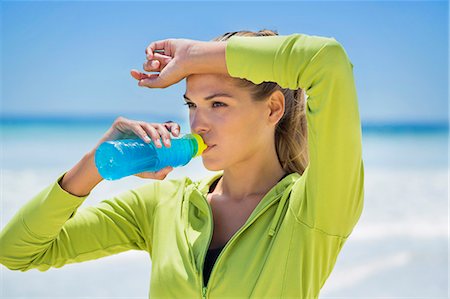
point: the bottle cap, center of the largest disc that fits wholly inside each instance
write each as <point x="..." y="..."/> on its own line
<point x="201" y="144"/>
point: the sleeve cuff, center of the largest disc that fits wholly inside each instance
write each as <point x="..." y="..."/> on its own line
<point x="58" y="185"/>
<point x="243" y="52"/>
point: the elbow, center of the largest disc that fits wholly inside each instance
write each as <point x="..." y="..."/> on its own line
<point x="19" y="256"/>
<point x="14" y="264"/>
<point x="22" y="265"/>
<point x="336" y="56"/>
<point x="12" y="258"/>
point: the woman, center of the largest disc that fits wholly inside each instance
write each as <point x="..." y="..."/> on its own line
<point x="288" y="193"/>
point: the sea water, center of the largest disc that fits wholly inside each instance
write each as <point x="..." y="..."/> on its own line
<point x="397" y="249"/>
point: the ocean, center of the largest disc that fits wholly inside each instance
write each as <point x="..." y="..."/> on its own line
<point x="399" y="247"/>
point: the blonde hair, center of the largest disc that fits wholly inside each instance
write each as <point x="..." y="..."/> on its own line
<point x="291" y="132"/>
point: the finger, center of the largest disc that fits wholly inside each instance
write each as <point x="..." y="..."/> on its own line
<point x="158" y="175"/>
<point x="152" y="81"/>
<point x="140" y="132"/>
<point x="154" y="47"/>
<point x="160" y="56"/>
<point x="165" y="134"/>
<point x="162" y="173"/>
<point x="152" y="132"/>
<point x="173" y="127"/>
<point x="157" y="63"/>
<point x="138" y="75"/>
<point x="161" y="131"/>
<point x="165" y="170"/>
<point x="152" y="66"/>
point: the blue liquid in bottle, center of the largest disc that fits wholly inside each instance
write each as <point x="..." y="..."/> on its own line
<point x="120" y="158"/>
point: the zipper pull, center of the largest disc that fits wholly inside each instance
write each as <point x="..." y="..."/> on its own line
<point x="204" y="292"/>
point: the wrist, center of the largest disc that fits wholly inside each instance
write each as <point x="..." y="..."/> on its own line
<point x="83" y="177"/>
<point x="207" y="58"/>
<point x="89" y="160"/>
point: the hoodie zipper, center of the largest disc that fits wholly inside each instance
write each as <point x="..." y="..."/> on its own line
<point x="249" y="222"/>
<point x="204" y="288"/>
<point x="190" y="250"/>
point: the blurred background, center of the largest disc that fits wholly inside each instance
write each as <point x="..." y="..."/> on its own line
<point x="65" y="78"/>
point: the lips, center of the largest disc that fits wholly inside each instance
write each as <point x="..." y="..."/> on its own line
<point x="208" y="144"/>
<point x="208" y="148"/>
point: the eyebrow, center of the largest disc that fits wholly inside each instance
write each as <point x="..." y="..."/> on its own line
<point x="220" y="94"/>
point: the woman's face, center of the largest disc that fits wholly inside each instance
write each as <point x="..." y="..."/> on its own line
<point x="232" y="124"/>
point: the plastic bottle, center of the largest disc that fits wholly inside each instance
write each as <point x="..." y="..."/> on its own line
<point x="119" y="158"/>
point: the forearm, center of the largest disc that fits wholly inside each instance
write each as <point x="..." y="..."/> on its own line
<point x="83" y="177"/>
<point x="208" y="58"/>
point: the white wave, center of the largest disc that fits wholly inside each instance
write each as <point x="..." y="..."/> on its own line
<point x="418" y="229"/>
<point x="353" y="275"/>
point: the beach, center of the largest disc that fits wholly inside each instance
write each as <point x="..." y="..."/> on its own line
<point x="399" y="248"/>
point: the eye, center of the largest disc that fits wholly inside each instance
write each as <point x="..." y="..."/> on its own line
<point x="190" y="105"/>
<point x="221" y="104"/>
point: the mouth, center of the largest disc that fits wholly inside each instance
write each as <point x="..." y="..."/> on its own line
<point x="208" y="148"/>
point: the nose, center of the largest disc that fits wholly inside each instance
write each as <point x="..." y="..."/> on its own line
<point x="199" y="122"/>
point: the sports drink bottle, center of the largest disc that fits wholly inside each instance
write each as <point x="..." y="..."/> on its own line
<point x="120" y="158"/>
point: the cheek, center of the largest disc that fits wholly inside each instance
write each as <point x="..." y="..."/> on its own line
<point x="244" y="135"/>
<point x="253" y="124"/>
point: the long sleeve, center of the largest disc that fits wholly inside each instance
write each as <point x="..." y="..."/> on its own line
<point x="50" y="230"/>
<point x="329" y="196"/>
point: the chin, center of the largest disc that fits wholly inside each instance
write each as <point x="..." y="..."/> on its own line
<point x="211" y="166"/>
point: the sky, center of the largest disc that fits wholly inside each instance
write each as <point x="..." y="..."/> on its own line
<point x="73" y="58"/>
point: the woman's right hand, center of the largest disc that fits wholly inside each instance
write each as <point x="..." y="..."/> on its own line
<point x="170" y="58"/>
<point x="124" y="128"/>
<point x="177" y="58"/>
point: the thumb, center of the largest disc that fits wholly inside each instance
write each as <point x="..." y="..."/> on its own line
<point x="159" y="175"/>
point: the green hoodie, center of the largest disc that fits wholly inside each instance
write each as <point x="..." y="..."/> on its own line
<point x="289" y="244"/>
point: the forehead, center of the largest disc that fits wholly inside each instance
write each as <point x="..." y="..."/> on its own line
<point x="199" y="84"/>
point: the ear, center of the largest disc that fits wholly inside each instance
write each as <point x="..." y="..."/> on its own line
<point x="275" y="105"/>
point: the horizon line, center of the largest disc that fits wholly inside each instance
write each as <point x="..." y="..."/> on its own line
<point x="103" y="119"/>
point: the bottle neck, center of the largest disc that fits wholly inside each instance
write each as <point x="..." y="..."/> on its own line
<point x="194" y="145"/>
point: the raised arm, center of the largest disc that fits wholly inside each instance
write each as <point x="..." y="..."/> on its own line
<point x="329" y="196"/>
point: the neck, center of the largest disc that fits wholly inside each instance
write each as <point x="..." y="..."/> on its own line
<point x="253" y="177"/>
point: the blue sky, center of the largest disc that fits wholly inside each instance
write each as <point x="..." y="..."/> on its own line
<point x="73" y="58"/>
